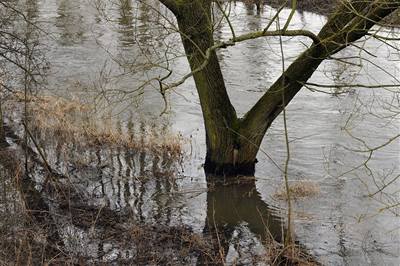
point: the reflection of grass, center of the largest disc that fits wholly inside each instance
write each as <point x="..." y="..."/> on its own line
<point x="299" y="189"/>
<point x="72" y="122"/>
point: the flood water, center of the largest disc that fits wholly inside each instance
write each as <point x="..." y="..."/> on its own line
<point x="109" y="50"/>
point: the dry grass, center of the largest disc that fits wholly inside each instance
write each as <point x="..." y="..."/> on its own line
<point x="23" y="240"/>
<point x="278" y="254"/>
<point x="74" y="122"/>
<point x="299" y="189"/>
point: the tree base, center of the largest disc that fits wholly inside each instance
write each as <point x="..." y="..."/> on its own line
<point x="228" y="171"/>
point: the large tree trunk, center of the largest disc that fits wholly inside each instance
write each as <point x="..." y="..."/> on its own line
<point x="221" y="123"/>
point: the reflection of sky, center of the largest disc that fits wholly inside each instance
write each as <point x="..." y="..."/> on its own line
<point x="314" y="119"/>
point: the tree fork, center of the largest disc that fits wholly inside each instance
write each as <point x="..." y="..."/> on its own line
<point x="224" y="146"/>
<point x="232" y="143"/>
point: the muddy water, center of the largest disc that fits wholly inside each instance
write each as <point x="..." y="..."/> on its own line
<point x="96" y="47"/>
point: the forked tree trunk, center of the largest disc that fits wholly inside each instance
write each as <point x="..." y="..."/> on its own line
<point x="232" y="143"/>
<point x="221" y="123"/>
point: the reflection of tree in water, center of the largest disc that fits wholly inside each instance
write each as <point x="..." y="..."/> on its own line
<point x="150" y="32"/>
<point x="139" y="23"/>
<point x="126" y="21"/>
<point x="118" y="176"/>
<point x="31" y="9"/>
<point x="229" y="208"/>
<point x="70" y="21"/>
<point x="250" y="4"/>
<point x="116" y="202"/>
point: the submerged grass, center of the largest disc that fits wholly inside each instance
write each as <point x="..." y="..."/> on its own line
<point x="291" y="255"/>
<point x="299" y="189"/>
<point x="73" y="121"/>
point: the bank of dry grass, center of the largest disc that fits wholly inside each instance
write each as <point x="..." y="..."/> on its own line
<point x="74" y="122"/>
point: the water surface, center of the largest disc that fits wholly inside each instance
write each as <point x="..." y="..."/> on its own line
<point x="94" y="48"/>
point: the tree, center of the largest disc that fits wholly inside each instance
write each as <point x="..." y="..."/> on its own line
<point x="233" y="142"/>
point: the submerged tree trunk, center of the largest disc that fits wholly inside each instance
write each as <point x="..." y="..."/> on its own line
<point x="221" y="123"/>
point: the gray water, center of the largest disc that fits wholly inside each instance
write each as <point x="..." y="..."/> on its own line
<point x="91" y="49"/>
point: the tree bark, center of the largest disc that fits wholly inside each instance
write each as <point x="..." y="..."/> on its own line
<point x="221" y="122"/>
